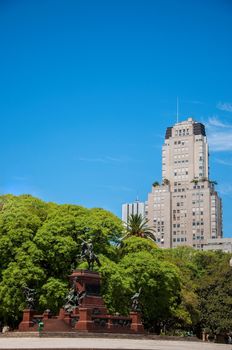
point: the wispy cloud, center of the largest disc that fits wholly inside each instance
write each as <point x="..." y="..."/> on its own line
<point x="214" y="121"/>
<point x="219" y="134"/>
<point x="223" y="162"/>
<point x="92" y="160"/>
<point x="225" y="106"/>
<point x="220" y="141"/>
<point x="225" y="189"/>
<point x="117" y="188"/>
<point x="106" y="159"/>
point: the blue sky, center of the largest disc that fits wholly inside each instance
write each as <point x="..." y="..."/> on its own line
<point x="87" y="89"/>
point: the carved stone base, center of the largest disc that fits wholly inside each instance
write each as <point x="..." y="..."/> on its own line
<point x="90" y="316"/>
<point x="85" y="323"/>
<point x="27" y="324"/>
<point x="136" y="325"/>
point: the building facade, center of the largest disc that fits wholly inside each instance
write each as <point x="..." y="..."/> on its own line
<point x="136" y="207"/>
<point x="185" y="209"/>
<point x="223" y="244"/>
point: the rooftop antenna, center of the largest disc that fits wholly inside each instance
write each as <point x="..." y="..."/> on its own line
<point x="177" y="109"/>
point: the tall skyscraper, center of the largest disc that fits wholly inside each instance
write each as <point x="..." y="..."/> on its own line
<point x="185" y="209"/>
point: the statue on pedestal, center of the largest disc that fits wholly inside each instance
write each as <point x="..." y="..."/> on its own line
<point x="135" y="305"/>
<point x="29" y="294"/>
<point x="87" y="253"/>
<point x="73" y="298"/>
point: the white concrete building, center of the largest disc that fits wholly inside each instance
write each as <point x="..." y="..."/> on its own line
<point x="223" y="244"/>
<point x="185" y="209"/>
<point x="136" y="207"/>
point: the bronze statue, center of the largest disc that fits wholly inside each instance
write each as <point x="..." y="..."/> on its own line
<point x="88" y="254"/>
<point x="73" y="298"/>
<point x="135" y="306"/>
<point x="29" y="294"/>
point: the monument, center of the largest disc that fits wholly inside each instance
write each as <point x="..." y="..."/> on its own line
<point x="84" y="309"/>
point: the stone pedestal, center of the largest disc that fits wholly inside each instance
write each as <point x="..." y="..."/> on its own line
<point x="90" y="315"/>
<point x="89" y="282"/>
<point x="92" y="303"/>
<point x="85" y="323"/>
<point x="65" y="316"/>
<point x="136" y="324"/>
<point x="27" y="324"/>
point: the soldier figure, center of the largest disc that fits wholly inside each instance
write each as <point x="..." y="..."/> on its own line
<point x="88" y="254"/>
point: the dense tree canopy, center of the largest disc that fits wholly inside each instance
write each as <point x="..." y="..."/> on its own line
<point x="182" y="289"/>
<point x="39" y="243"/>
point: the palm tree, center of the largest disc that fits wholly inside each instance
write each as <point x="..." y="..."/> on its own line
<point x="213" y="182"/>
<point x="138" y="226"/>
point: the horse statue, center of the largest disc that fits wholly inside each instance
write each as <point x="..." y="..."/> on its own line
<point x="87" y="253"/>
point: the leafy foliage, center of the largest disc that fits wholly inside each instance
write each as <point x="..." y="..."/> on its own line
<point x="138" y="226"/>
<point x="182" y="289"/>
<point x="215" y="292"/>
<point x="39" y="243"/>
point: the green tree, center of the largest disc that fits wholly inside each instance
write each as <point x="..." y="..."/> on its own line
<point x="19" y="273"/>
<point x="39" y="243"/>
<point x="134" y="244"/>
<point x="160" y="285"/>
<point x="141" y="264"/>
<point x="53" y="293"/>
<point x="186" y="315"/>
<point x="116" y="287"/>
<point x="138" y="226"/>
<point x="215" y="292"/>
